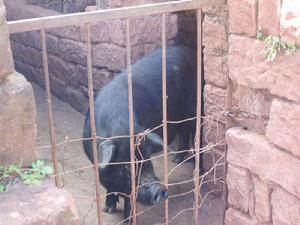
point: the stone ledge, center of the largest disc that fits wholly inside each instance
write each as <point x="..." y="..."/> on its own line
<point x="253" y="151"/>
<point x="40" y="204"/>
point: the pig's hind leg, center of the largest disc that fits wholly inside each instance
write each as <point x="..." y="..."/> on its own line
<point x="111" y="202"/>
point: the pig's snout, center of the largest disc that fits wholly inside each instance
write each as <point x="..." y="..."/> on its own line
<point x="159" y="194"/>
<point x="152" y="194"/>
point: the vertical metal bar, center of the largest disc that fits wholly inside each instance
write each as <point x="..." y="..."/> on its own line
<point x="229" y="122"/>
<point x="164" y="100"/>
<point x="198" y="120"/>
<point x="49" y="105"/>
<point x="131" y="121"/>
<point x="92" y="120"/>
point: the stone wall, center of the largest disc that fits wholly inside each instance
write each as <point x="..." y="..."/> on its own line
<point x="263" y="152"/>
<point x="67" y="50"/>
<point x="17" y="107"/>
<point x="215" y="66"/>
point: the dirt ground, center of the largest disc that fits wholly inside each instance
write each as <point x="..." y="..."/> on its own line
<point x="69" y="124"/>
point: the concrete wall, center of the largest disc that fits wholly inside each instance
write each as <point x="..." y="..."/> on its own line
<point x="263" y="152"/>
<point x="17" y="107"/>
<point x="67" y="50"/>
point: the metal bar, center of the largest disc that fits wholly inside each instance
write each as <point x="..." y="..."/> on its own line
<point x="131" y="122"/>
<point x="164" y="100"/>
<point x="198" y="120"/>
<point x="92" y="120"/>
<point x="77" y="19"/>
<point x="49" y="106"/>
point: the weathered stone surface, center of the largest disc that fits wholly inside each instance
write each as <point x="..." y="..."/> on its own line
<point x="240" y="188"/>
<point x="26" y="54"/>
<point x="37" y="204"/>
<point x="214" y="101"/>
<point x="6" y="62"/>
<point x="73" y="51"/>
<point x="77" y="99"/>
<point x="107" y="31"/>
<point x="252" y="101"/>
<point x="290" y="21"/>
<point x="148" y="29"/>
<point x="284" y="126"/>
<point x="253" y="151"/>
<point x="242" y="16"/>
<point x="109" y="56"/>
<point x="286" y="208"/>
<point x="215" y="69"/>
<point x="58" y="87"/>
<point x="28" y="71"/>
<point x="17" y="121"/>
<point x="63" y="70"/>
<point x="214" y="35"/>
<point x="235" y="217"/>
<point x="248" y="66"/>
<point x="32" y="39"/>
<point x="100" y="77"/>
<point x="262" y="200"/>
<point x="252" y="123"/>
<point x="269" y="16"/>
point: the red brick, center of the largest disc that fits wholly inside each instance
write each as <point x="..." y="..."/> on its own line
<point x="269" y="16"/>
<point x="262" y="194"/>
<point x="253" y="151"/>
<point x="290" y="21"/>
<point x="214" y="35"/>
<point x="235" y="217"/>
<point x="248" y="67"/>
<point x="284" y="126"/>
<point x="215" y="69"/>
<point x="242" y="17"/>
<point x="286" y="208"/>
<point x="240" y="188"/>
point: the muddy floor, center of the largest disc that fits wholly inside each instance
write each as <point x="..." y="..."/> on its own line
<point x="80" y="182"/>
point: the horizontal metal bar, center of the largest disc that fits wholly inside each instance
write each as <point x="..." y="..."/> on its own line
<point x="77" y="19"/>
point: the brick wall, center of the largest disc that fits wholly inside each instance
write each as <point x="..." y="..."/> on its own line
<point x="263" y="152"/>
<point x="67" y="50"/>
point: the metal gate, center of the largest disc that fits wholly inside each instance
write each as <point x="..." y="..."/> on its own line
<point x="86" y="19"/>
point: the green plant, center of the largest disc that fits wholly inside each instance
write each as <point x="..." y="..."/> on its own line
<point x="274" y="44"/>
<point x="32" y="175"/>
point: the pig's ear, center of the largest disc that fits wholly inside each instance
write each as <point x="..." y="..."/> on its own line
<point x="106" y="152"/>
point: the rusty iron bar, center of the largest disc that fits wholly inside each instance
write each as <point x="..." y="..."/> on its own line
<point x="164" y="100"/>
<point x="49" y="107"/>
<point x="79" y="19"/>
<point x="131" y="123"/>
<point x="92" y="120"/>
<point x="198" y="120"/>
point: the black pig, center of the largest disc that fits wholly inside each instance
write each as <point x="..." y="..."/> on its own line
<point x="112" y="119"/>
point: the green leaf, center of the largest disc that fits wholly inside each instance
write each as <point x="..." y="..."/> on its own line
<point x="2" y="187"/>
<point x="47" y="170"/>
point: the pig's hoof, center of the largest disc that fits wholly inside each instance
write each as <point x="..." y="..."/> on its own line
<point x="110" y="209"/>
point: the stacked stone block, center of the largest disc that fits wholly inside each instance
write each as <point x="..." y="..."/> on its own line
<point x="17" y="107"/>
<point x="215" y="56"/>
<point x="263" y="152"/>
<point x="67" y="50"/>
